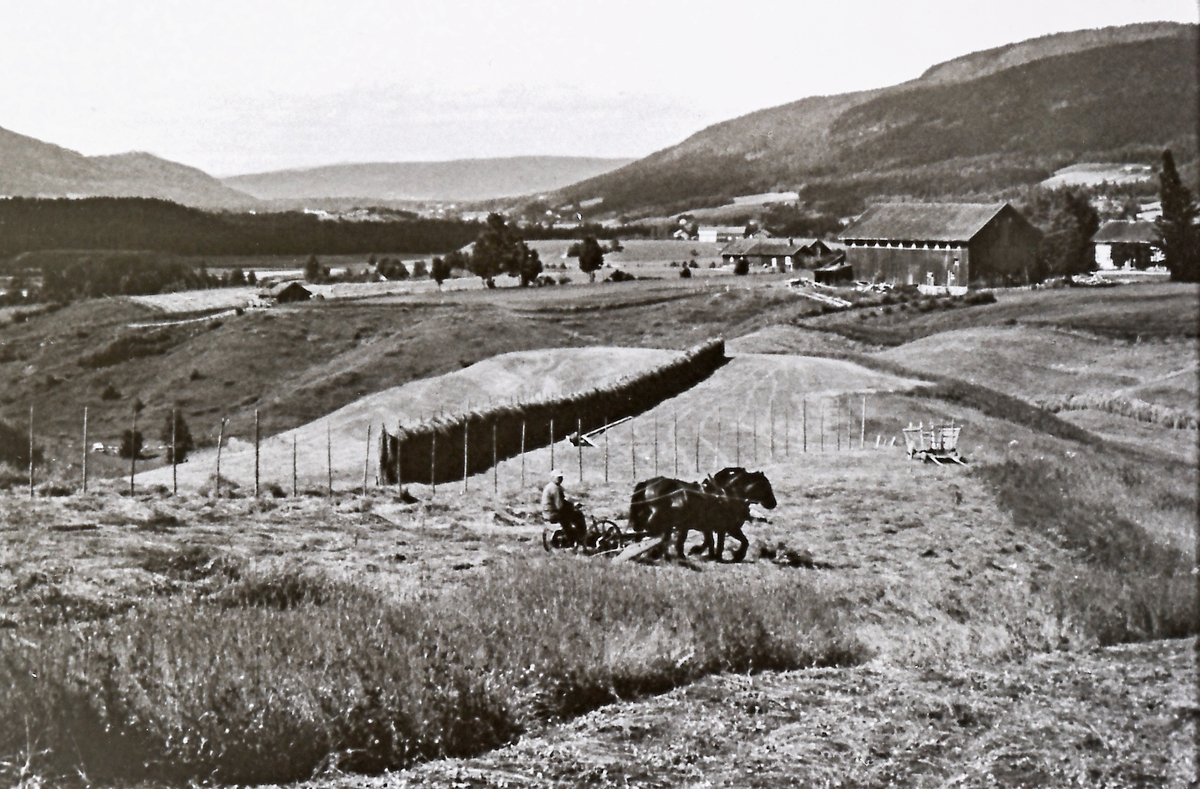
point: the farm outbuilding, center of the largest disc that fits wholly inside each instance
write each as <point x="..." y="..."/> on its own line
<point x="719" y="234"/>
<point x="943" y="245"/>
<point x="287" y="292"/>
<point x="1134" y="244"/>
<point x="778" y="253"/>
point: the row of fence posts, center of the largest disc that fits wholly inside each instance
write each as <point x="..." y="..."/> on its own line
<point x="843" y="420"/>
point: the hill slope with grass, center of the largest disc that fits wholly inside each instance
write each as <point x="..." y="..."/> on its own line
<point x="33" y="168"/>
<point x="972" y="126"/>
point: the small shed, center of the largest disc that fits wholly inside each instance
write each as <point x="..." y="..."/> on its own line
<point x="287" y="292"/>
<point x="1121" y="244"/>
<point x="943" y="244"/>
<point x="836" y="273"/>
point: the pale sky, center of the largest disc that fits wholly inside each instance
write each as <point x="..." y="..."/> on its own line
<point x="236" y="86"/>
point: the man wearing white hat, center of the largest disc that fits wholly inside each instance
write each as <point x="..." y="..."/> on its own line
<point x="557" y="509"/>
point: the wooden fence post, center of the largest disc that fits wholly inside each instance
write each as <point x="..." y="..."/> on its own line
<point x="697" y="447"/>
<point x="605" y="450"/>
<point x="174" y="459"/>
<point x="256" y="453"/>
<point x="329" y="457"/>
<point x="133" y="451"/>
<point x="220" y="441"/>
<point x="367" y="460"/>
<point x="85" y="448"/>
<point x="579" y="436"/>
<point x="862" y="432"/>
<point x="632" y="454"/>
<point x="522" y="454"/>
<point x="837" y="422"/>
<point x="675" y="438"/>
<point x="656" y="445"/>
<point x="787" y="429"/>
<point x="772" y="432"/>
<point x="399" y="459"/>
<point x="495" y="464"/>
<point x="466" y="432"/>
<point x="737" y="441"/>
<point x="804" y="406"/>
<point x="31" y="452"/>
<point x="754" y="434"/>
<point x="294" y="491"/>
<point x="433" y="463"/>
<point x="822" y="425"/>
<point x="717" y="450"/>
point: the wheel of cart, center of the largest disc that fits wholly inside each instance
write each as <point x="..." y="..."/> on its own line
<point x="602" y="535"/>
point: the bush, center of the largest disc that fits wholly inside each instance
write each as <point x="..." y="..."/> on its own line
<point x="14" y="447"/>
<point x="741" y="267"/>
<point x="285" y="672"/>
<point x="685" y="273"/>
<point x="131" y="443"/>
<point x="132" y="346"/>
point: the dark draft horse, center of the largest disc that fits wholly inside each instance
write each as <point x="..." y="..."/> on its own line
<point x="720" y="505"/>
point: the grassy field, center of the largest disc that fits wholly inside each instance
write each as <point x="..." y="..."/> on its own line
<point x="969" y="620"/>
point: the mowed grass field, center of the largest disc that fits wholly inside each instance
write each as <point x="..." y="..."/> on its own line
<point x="908" y="582"/>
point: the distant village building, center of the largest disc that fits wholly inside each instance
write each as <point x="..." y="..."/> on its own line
<point x="719" y="234"/>
<point x="1121" y="244"/>
<point x="942" y="245"/>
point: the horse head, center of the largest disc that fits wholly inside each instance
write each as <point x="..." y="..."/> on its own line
<point x="756" y="487"/>
<point x="749" y="485"/>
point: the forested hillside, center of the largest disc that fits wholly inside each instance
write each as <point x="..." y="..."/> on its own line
<point x="974" y="126"/>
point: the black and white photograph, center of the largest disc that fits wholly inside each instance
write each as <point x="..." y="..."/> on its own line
<point x="535" y="395"/>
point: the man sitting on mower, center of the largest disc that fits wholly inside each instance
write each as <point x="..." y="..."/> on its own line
<point x="557" y="509"/>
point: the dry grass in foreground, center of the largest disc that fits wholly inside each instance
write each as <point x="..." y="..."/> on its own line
<point x="278" y="675"/>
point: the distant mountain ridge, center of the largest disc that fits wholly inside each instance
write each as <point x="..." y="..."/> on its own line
<point x="32" y="168"/>
<point x="461" y="179"/>
<point x="969" y="127"/>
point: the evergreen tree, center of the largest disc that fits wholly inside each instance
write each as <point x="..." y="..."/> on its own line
<point x="1177" y="223"/>
<point x="312" y="269"/>
<point x="1066" y="249"/>
<point x="184" y="443"/>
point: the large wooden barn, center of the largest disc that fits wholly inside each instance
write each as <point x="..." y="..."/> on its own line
<point x="942" y="244"/>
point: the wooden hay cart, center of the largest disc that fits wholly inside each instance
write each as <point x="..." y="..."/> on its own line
<point x="933" y="445"/>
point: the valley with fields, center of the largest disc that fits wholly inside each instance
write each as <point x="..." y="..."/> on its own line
<point x="564" y="395"/>
<point x="1018" y="620"/>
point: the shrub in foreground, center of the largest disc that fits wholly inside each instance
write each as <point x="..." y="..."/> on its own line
<point x="282" y="674"/>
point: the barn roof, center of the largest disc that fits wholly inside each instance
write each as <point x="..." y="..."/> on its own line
<point x="739" y="246"/>
<point x="282" y="287"/>
<point x="955" y="222"/>
<point x="1125" y="232"/>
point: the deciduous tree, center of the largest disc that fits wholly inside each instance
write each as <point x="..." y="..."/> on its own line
<point x="499" y="249"/>
<point x="591" y="257"/>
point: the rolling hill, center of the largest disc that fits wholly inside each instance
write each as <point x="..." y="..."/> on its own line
<point x="976" y="125"/>
<point x="33" y="168"/>
<point x="462" y="179"/>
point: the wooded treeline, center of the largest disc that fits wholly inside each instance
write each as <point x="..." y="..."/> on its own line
<point x="117" y="223"/>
